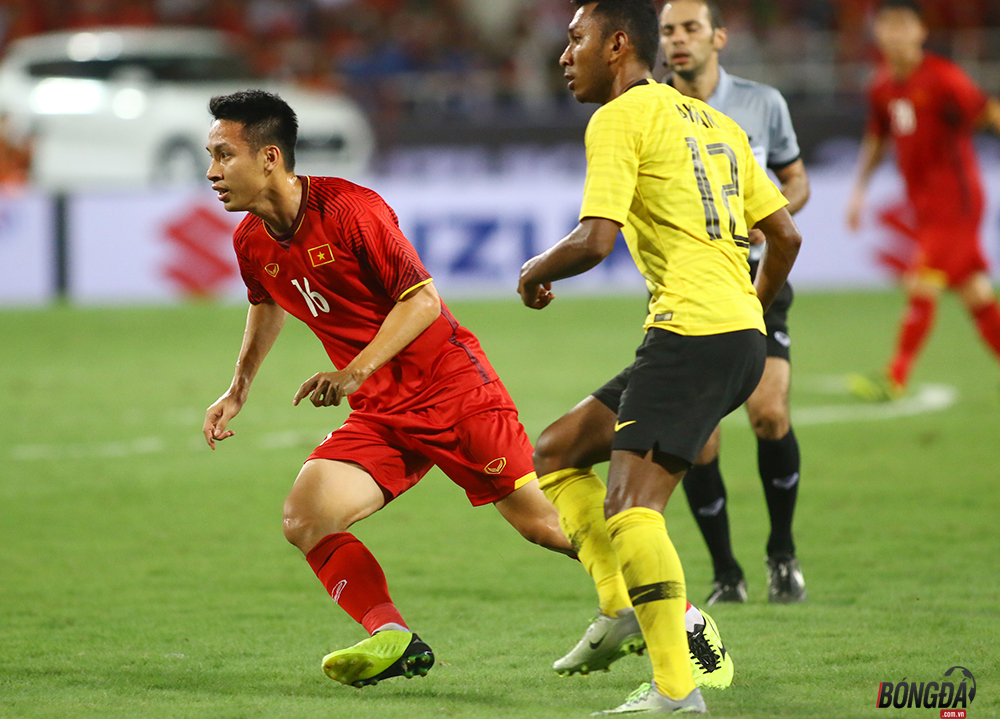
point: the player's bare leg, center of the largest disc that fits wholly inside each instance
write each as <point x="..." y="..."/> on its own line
<point x="534" y="517"/>
<point x="326" y="499"/>
<point x="768" y="407"/>
<point x="981" y="302"/>
<point x="639" y="486"/>
<point x="580" y="438"/>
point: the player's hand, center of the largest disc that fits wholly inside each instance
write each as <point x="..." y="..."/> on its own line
<point x="329" y="388"/>
<point x="533" y="294"/>
<point x="755" y="236"/>
<point x="217" y="418"/>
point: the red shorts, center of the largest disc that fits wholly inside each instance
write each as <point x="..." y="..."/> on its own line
<point x="475" y="438"/>
<point x="949" y="254"/>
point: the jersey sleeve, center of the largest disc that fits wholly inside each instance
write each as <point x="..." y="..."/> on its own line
<point x="612" y="142"/>
<point x="760" y="196"/>
<point x="878" y="114"/>
<point x="784" y="145"/>
<point x="965" y="102"/>
<point x="378" y="242"/>
<point x="256" y="293"/>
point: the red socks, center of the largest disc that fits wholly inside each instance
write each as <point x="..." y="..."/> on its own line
<point x="987" y="320"/>
<point x="354" y="580"/>
<point x="916" y="325"/>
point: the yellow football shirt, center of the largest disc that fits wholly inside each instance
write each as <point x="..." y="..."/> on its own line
<point x="682" y="181"/>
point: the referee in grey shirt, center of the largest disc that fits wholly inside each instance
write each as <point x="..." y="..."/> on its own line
<point x="692" y="34"/>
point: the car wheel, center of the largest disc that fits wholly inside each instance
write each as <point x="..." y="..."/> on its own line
<point x="179" y="163"/>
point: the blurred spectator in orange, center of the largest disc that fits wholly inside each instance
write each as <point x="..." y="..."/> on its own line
<point x="19" y="18"/>
<point x="136" y="13"/>
<point x="15" y="155"/>
<point x="229" y="16"/>
<point x="91" y="13"/>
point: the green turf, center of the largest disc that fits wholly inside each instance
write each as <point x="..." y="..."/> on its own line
<point x="142" y="575"/>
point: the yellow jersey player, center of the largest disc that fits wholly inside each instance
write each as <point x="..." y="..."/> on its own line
<point x="680" y="182"/>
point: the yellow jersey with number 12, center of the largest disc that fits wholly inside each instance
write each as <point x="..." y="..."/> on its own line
<point x="682" y="181"/>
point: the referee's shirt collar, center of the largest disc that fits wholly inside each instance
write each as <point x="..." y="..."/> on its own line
<point x="721" y="94"/>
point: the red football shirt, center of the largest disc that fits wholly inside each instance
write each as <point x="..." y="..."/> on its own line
<point x="932" y="115"/>
<point x="340" y="270"/>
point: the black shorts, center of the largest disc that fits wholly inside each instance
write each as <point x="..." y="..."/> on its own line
<point x="776" y="320"/>
<point x="679" y="388"/>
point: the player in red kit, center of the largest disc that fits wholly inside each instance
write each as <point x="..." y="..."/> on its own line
<point x="930" y="109"/>
<point x="421" y="390"/>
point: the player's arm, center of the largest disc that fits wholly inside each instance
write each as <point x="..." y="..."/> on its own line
<point x="794" y="185"/>
<point x="264" y="323"/>
<point x="781" y="245"/>
<point x="873" y="148"/>
<point x="991" y="115"/>
<point x="583" y="248"/>
<point x="413" y="313"/>
<point x="784" y="146"/>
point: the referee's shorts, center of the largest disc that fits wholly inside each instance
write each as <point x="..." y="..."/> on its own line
<point x="779" y="342"/>
<point x="680" y="387"/>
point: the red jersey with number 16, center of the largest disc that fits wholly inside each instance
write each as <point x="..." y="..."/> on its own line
<point x="341" y="269"/>
<point x="932" y="115"/>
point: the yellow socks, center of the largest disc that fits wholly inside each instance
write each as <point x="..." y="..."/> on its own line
<point x="578" y="494"/>
<point x="655" y="579"/>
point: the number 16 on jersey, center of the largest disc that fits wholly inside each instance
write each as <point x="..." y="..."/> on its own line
<point x="314" y="300"/>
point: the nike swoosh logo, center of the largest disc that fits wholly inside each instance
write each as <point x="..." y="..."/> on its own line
<point x="713" y="509"/>
<point x="623" y="425"/>
<point x="786" y="482"/>
<point x="595" y="645"/>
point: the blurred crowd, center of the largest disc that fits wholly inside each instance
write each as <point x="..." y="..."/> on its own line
<point x="444" y="52"/>
<point x="423" y="59"/>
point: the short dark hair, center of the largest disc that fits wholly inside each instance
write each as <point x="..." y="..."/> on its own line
<point x="911" y="5"/>
<point x="714" y="14"/>
<point x="636" y="18"/>
<point x="266" y="119"/>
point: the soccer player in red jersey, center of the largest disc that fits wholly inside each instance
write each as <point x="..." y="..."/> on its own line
<point x="930" y="109"/>
<point x="420" y="387"/>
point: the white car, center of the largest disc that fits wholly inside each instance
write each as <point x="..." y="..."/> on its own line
<point x="125" y="107"/>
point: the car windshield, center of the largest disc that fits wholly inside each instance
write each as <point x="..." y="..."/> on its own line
<point x="164" y="69"/>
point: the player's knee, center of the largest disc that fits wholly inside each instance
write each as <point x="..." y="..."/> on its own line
<point x="710" y="452"/>
<point x="295" y="531"/>
<point x="550" y="453"/>
<point x="298" y="529"/>
<point x="771" y="421"/>
<point x="304" y="528"/>
<point x="545" y="532"/>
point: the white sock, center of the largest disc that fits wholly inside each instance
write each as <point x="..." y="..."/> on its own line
<point x="391" y="626"/>
<point x="692" y="617"/>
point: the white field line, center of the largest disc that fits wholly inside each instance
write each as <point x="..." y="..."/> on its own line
<point x="926" y="398"/>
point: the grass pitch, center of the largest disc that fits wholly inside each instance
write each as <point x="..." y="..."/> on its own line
<point x="142" y="575"/>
